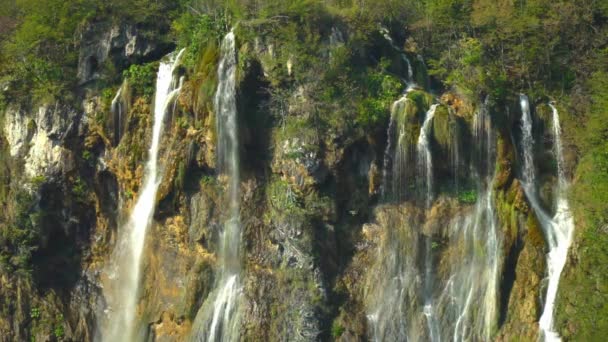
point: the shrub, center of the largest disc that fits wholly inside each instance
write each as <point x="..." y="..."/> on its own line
<point x="467" y="196"/>
<point x="337" y="330"/>
<point x="141" y="78"/>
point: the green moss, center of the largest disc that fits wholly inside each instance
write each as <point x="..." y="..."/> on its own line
<point x="337" y="330"/>
<point x="141" y="79"/>
<point x="442" y="128"/>
<point x="468" y="196"/>
<point x="422" y="100"/>
<point x="535" y="232"/>
<point x="504" y="163"/>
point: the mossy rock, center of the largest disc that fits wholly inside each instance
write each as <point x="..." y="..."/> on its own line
<point x="442" y="128"/>
<point x="505" y="159"/>
<point x="422" y="101"/>
<point x="421" y="75"/>
<point x="535" y="232"/>
<point x="407" y="123"/>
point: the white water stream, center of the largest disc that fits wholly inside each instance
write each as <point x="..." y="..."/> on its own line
<point x="559" y="228"/>
<point x="218" y="319"/>
<point x="122" y="293"/>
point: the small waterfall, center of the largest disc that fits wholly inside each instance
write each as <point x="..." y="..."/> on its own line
<point x="559" y="238"/>
<point x="410" y="71"/>
<point x="126" y="258"/>
<point x="117" y="115"/>
<point x="527" y="141"/>
<point x="218" y="318"/>
<point x="425" y="160"/>
<point x="393" y="176"/>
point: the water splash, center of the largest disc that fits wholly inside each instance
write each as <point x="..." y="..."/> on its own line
<point x="122" y="293"/>
<point x="218" y="318"/>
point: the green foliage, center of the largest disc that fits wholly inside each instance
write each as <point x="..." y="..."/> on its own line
<point x="382" y="91"/>
<point x="196" y="33"/>
<point x="281" y="197"/>
<point x="88" y="157"/>
<point x="467" y="196"/>
<point x="58" y="331"/>
<point x="141" y="79"/>
<point x="337" y="330"/>
<point x="19" y="234"/>
<point x="37" y="181"/>
<point x="40" y="53"/>
<point x="80" y="190"/>
<point x="35" y="313"/>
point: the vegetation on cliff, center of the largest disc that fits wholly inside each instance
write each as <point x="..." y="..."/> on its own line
<point x="316" y="82"/>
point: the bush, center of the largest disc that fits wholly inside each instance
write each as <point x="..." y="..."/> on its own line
<point x="467" y="196"/>
<point x="141" y="78"/>
<point x="337" y="330"/>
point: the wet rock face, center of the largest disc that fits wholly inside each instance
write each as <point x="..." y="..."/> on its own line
<point x="123" y="44"/>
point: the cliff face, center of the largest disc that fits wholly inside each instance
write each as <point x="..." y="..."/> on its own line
<point x="332" y="213"/>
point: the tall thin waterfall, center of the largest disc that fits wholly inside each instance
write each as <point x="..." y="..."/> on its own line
<point x="527" y="141"/>
<point x="557" y="229"/>
<point x="425" y="167"/>
<point x="117" y="114"/>
<point x="126" y="258"/>
<point x="219" y="316"/>
<point x="559" y="237"/>
<point x="425" y="160"/>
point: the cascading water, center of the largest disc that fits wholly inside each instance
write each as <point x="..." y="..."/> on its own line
<point x="126" y="258"/>
<point x="415" y="298"/>
<point x="425" y="160"/>
<point x="425" y="167"/>
<point x="218" y="318"/>
<point x="410" y="71"/>
<point x="394" y="179"/>
<point x="468" y="302"/>
<point x="527" y="141"/>
<point x="559" y="228"/>
<point x="117" y="113"/>
<point x="560" y="237"/>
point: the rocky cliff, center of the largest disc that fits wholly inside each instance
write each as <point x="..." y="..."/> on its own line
<point x="341" y="241"/>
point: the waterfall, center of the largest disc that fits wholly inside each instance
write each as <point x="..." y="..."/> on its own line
<point x="393" y="176"/>
<point x="218" y="318"/>
<point x="469" y="299"/>
<point x="117" y="114"/>
<point x="425" y="160"/>
<point x="425" y="167"/>
<point x="410" y="71"/>
<point x="557" y="229"/>
<point x="126" y="258"/>
<point x="559" y="238"/>
<point x="414" y="299"/>
<point x="527" y="141"/>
